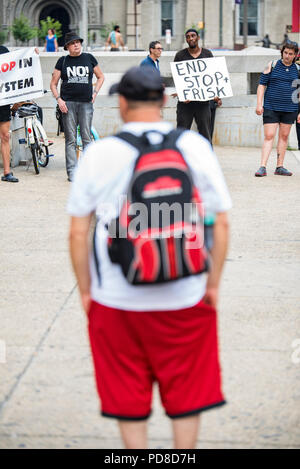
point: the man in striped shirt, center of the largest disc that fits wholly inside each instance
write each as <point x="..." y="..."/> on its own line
<point x="275" y="101"/>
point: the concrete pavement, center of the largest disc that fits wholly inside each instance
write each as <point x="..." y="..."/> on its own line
<point x="47" y="392"/>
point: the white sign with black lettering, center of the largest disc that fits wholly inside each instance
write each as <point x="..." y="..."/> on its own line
<point x="20" y="76"/>
<point x="201" y="79"/>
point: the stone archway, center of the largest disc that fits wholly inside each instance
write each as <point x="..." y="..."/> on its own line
<point x="60" y="14"/>
<point x="68" y="12"/>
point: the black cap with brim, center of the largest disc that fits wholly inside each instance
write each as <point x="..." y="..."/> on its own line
<point x="140" y="84"/>
<point x="71" y="36"/>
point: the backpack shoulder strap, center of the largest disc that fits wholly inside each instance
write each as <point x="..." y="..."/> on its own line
<point x="172" y="137"/>
<point x="141" y="143"/>
<point x="274" y="62"/>
<point x="132" y="139"/>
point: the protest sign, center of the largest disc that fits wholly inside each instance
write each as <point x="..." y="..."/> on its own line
<point x="20" y="76"/>
<point x="201" y="79"/>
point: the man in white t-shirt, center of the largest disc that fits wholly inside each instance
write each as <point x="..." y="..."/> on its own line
<point x="162" y="332"/>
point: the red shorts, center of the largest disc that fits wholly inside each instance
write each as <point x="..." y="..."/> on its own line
<point x="178" y="349"/>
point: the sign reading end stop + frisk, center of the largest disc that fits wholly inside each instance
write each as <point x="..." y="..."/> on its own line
<point x="201" y="79"/>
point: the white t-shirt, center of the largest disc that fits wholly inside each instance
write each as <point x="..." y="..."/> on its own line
<point x="102" y="178"/>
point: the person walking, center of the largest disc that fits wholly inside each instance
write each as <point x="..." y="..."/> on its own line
<point x="115" y="40"/>
<point x="276" y="104"/>
<point x="51" y="41"/>
<point x="77" y="96"/>
<point x="199" y="110"/>
<point x="4" y="136"/>
<point x="152" y="60"/>
<point x="163" y="332"/>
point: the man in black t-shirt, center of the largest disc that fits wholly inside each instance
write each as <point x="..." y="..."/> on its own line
<point x="198" y="110"/>
<point x="4" y="136"/>
<point x="76" y="98"/>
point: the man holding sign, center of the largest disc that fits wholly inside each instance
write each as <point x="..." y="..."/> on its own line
<point x="20" y="79"/>
<point x="193" y="108"/>
<point x="4" y="136"/>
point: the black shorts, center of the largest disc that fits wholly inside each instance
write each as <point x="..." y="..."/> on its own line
<point x="5" y="113"/>
<point x="279" y="117"/>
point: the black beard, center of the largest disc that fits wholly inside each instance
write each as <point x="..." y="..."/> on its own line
<point x="192" y="46"/>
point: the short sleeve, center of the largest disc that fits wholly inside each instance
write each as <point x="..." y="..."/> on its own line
<point x="80" y="201"/>
<point x="58" y="65"/>
<point x="264" y="79"/>
<point x="94" y="61"/>
<point x="97" y="176"/>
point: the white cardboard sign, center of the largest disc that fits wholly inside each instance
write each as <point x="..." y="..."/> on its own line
<point x="201" y="79"/>
<point x="20" y="76"/>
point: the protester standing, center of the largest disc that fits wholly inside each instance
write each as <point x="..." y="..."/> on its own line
<point x="77" y="96"/>
<point x="51" y="41"/>
<point x="199" y="110"/>
<point x="152" y="60"/>
<point x="157" y="332"/>
<point x="275" y="102"/>
<point x="4" y="136"/>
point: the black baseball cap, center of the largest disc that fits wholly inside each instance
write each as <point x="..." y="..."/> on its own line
<point x="140" y="84"/>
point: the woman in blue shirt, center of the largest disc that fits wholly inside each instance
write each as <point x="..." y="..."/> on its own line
<point x="51" y="42"/>
<point x="278" y="103"/>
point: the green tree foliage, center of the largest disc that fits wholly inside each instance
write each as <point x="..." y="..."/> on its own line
<point x="3" y="37"/>
<point x="22" y="31"/>
<point x="107" y="28"/>
<point x="49" y="23"/>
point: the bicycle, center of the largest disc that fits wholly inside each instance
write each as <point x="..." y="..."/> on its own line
<point x="35" y="136"/>
<point x="94" y="135"/>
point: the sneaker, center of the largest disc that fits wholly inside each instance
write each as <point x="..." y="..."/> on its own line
<point x="261" y="172"/>
<point x="281" y="171"/>
<point x="9" y="178"/>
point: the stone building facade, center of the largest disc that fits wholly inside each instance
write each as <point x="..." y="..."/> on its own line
<point x="144" y="20"/>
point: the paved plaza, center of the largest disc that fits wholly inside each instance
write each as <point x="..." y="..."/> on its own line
<point x="47" y="392"/>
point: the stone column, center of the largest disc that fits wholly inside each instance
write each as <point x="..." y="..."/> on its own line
<point x="133" y="24"/>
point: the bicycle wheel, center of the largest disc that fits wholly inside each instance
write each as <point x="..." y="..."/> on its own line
<point x="35" y="157"/>
<point x="43" y="153"/>
<point x="42" y="149"/>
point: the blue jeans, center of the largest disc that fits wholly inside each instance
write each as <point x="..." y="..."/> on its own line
<point x="78" y="114"/>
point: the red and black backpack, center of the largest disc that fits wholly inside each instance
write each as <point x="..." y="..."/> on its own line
<point x="159" y="234"/>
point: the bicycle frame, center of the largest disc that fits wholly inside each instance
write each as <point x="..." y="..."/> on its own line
<point x="94" y="133"/>
<point x="30" y="123"/>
